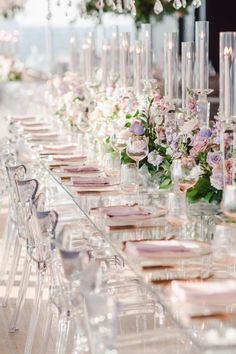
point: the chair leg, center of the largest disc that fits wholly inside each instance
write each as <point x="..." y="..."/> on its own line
<point x="8" y="242"/>
<point x="35" y="312"/>
<point x="15" y="318"/>
<point x="63" y="328"/>
<point x="46" y="330"/>
<point x="13" y="270"/>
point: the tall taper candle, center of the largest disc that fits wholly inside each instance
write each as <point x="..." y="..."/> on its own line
<point x="227" y="58"/>
<point x="137" y="67"/>
<point x="147" y="50"/>
<point x="125" y="59"/>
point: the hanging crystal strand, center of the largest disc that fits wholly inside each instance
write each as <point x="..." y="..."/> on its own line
<point x="184" y="3"/>
<point x="133" y="9"/>
<point x="158" y="7"/>
<point x="196" y="3"/>
<point x="177" y="4"/>
<point x="119" y="6"/>
<point x="49" y="11"/>
<point x="111" y="4"/>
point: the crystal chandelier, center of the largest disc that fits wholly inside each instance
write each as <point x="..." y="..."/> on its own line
<point x="11" y="5"/>
<point x="124" y="6"/>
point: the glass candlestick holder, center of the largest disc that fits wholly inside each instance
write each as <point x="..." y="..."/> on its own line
<point x="125" y="59"/>
<point x="187" y="50"/>
<point x="171" y="66"/>
<point x="227" y="75"/>
<point x="202" y="55"/>
<point x="203" y="106"/>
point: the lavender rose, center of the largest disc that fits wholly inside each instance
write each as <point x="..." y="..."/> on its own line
<point x="137" y="128"/>
<point x="205" y="133"/>
<point x="214" y="158"/>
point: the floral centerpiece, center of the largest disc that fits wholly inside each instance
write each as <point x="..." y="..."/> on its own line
<point x="10" y="69"/>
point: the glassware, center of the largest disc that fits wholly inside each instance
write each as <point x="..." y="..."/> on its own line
<point x="228" y="204"/>
<point x="146" y="34"/>
<point x="118" y="143"/>
<point x="184" y="173"/>
<point x="102" y="313"/>
<point x="202" y="55"/>
<point x="125" y="59"/>
<point x="129" y="177"/>
<point x="112" y="166"/>
<point x="171" y="66"/>
<point x="227" y="75"/>
<point x="137" y="148"/>
<point x="202" y="71"/>
<point x="187" y="70"/>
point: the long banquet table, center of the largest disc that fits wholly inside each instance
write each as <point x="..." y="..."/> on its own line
<point x="196" y="336"/>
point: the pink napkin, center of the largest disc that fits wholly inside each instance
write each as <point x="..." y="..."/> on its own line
<point x="44" y="135"/>
<point x="37" y="130"/>
<point x="84" y="168"/>
<point x="212" y="292"/>
<point x="90" y="181"/>
<point x="124" y="212"/>
<point x="32" y="124"/>
<point x="60" y="148"/>
<point x="22" y="118"/>
<point x="155" y="248"/>
<point x="69" y="158"/>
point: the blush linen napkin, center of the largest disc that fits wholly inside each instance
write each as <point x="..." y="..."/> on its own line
<point x="60" y="147"/>
<point x="126" y="212"/>
<point x="159" y="248"/>
<point x="215" y="292"/>
<point x="81" y="169"/>
<point x="97" y="181"/>
<point x="68" y="158"/>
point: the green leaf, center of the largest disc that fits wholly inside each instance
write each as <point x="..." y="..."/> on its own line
<point x="136" y="113"/>
<point x="166" y="183"/>
<point x="128" y="116"/>
<point x="128" y="125"/>
<point x="209" y="196"/>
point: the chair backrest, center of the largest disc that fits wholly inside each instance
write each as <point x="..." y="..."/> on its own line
<point x="27" y="190"/>
<point x="14" y="173"/>
<point x="42" y="226"/>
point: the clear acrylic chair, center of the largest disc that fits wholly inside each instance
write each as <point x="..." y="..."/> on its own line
<point x="40" y="248"/>
<point x="93" y="279"/>
<point x="24" y="193"/>
<point x="10" y="239"/>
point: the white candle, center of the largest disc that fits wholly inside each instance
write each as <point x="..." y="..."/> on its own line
<point x="114" y="51"/>
<point x="146" y="38"/>
<point x="73" y="55"/>
<point x="202" y="61"/>
<point x="169" y="70"/>
<point x="137" y="67"/>
<point x="227" y="57"/>
<point x="189" y="73"/>
<point x="105" y="49"/>
<point x="124" y="60"/>
<point x="89" y="58"/>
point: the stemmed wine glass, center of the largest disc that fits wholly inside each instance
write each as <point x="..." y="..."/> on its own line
<point x="228" y="204"/>
<point x="137" y="148"/>
<point x="184" y="173"/>
<point x="118" y="143"/>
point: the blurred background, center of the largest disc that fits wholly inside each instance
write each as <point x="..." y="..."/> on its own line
<point x="44" y="28"/>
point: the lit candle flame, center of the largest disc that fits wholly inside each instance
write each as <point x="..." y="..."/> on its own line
<point x="228" y="51"/>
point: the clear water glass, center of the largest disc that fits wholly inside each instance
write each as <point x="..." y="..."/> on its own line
<point x="228" y="204"/>
<point x="184" y="174"/>
<point x="112" y="166"/>
<point x="129" y="177"/>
